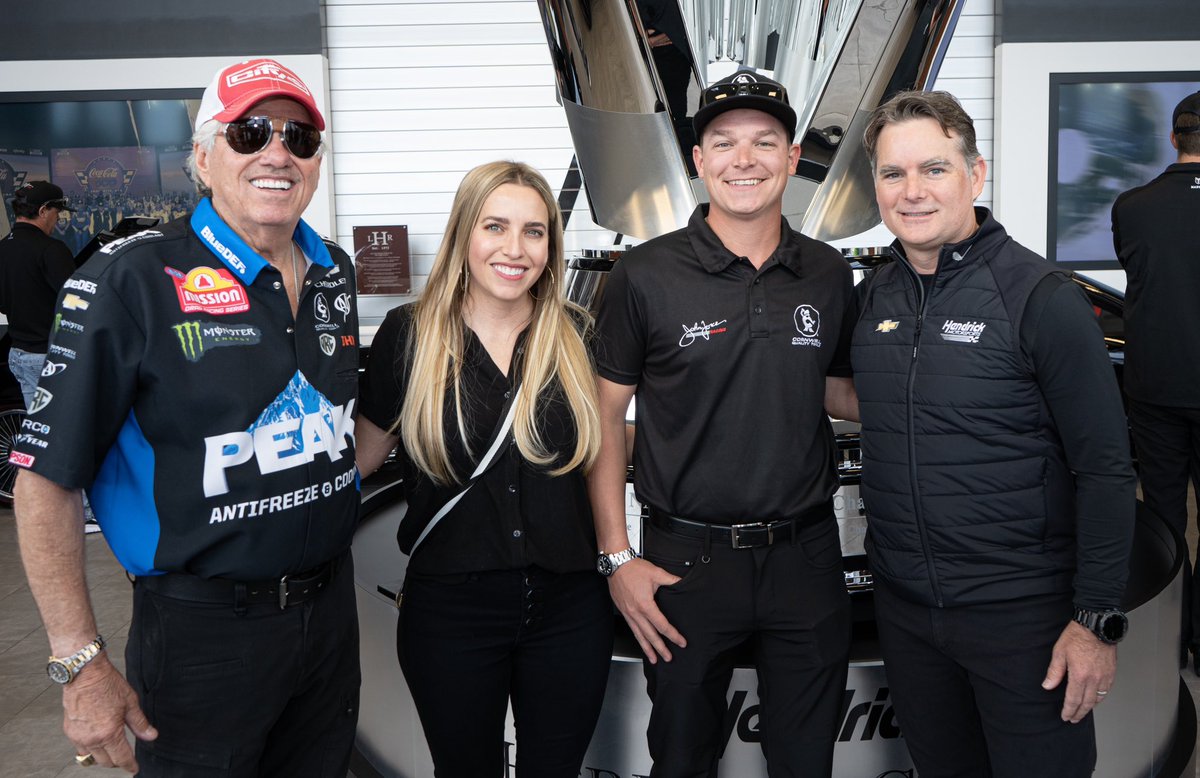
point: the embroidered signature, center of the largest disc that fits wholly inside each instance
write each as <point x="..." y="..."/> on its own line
<point x="702" y="330"/>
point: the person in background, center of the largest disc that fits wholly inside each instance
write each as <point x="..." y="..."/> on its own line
<point x="487" y="384"/>
<point x="205" y="398"/>
<point x="1155" y="233"/>
<point x="997" y="481"/>
<point x="734" y="334"/>
<point x="33" y="268"/>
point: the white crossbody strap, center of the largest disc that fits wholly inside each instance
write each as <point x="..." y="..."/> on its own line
<point x="486" y="462"/>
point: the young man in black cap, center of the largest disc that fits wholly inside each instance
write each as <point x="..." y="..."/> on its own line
<point x="733" y="334"/>
<point x="33" y="268"/>
<point x="1155" y="232"/>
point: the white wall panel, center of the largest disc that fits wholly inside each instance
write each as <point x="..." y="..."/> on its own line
<point x="422" y="90"/>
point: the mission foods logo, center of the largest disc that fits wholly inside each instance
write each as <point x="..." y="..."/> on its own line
<point x="209" y="290"/>
<point x="197" y="338"/>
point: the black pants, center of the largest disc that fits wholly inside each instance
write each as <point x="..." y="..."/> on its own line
<point x="1168" y="449"/>
<point x="790" y="600"/>
<point x="966" y="686"/>
<point x="469" y="643"/>
<point x="268" y="692"/>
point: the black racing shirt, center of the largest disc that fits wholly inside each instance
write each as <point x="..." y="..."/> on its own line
<point x="730" y="365"/>
<point x="33" y="267"/>
<point x="516" y="515"/>
<point x="213" y="432"/>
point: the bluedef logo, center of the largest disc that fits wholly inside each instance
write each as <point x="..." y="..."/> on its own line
<point x="294" y="429"/>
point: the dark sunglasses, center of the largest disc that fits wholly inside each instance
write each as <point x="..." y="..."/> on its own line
<point x="719" y="92"/>
<point x="251" y="134"/>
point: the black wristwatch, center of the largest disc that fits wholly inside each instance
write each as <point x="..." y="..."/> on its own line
<point x="1110" y="626"/>
<point x="607" y="564"/>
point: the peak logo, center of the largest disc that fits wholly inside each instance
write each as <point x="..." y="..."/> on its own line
<point x="209" y="290"/>
<point x="294" y="429"/>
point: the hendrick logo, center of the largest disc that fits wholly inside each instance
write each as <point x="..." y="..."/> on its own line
<point x="197" y="338"/>
<point x="962" y="332"/>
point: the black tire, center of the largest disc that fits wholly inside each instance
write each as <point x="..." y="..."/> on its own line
<point x="10" y="427"/>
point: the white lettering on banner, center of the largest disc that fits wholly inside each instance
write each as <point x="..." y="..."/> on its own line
<point x="276" y="446"/>
<point x="281" y="502"/>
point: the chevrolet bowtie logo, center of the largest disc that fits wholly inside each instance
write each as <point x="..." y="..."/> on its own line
<point x="887" y="325"/>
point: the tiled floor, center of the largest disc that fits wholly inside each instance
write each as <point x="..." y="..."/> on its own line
<point x="31" y="741"/>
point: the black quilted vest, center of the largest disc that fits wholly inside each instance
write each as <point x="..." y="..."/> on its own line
<point x="967" y="492"/>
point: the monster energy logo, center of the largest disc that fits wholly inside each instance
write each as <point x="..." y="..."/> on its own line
<point x="189" y="340"/>
<point x="195" y="338"/>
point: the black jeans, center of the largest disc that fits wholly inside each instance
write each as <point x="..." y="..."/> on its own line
<point x="966" y="686"/>
<point x="469" y="643"/>
<point x="1168" y="449"/>
<point x="268" y="692"/>
<point x="789" y="599"/>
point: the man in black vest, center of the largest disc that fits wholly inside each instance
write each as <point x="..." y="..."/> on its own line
<point x="1155" y="233"/>
<point x="996" y="472"/>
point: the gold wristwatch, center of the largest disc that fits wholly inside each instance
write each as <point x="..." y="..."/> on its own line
<point x="63" y="671"/>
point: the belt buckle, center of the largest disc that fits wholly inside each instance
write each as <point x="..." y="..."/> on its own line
<point x="283" y="592"/>
<point x="735" y="530"/>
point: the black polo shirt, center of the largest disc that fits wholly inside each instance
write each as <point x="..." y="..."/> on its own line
<point x="33" y="267"/>
<point x="730" y="365"/>
<point x="213" y="431"/>
<point x="516" y="515"/>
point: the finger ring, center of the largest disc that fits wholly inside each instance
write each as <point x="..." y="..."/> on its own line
<point x="85" y="760"/>
<point x="1101" y="693"/>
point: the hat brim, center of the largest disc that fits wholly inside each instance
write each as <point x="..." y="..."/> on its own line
<point x="780" y="110"/>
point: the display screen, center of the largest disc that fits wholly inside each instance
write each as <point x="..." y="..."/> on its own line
<point x="113" y="154"/>
<point x="1109" y="132"/>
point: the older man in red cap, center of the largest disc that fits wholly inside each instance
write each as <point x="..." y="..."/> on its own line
<point x="203" y="393"/>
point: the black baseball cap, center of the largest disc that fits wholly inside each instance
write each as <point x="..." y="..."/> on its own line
<point x="39" y="193"/>
<point x="1189" y="104"/>
<point x="745" y="89"/>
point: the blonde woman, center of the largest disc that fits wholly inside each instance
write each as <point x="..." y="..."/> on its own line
<point x="502" y="600"/>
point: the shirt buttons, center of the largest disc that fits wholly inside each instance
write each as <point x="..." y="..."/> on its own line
<point x="757" y="281"/>
<point x="307" y="282"/>
<point x="507" y="395"/>
<point x="290" y="330"/>
<point x="277" y="286"/>
<point x="516" y="534"/>
<point x="512" y="488"/>
<point x="758" y="309"/>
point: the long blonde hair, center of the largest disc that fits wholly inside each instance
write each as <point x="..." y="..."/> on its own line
<point x="555" y="354"/>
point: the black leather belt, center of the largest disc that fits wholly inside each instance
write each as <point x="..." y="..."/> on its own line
<point x="284" y="591"/>
<point x="755" y="534"/>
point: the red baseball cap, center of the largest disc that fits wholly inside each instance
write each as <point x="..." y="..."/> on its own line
<point x="237" y="88"/>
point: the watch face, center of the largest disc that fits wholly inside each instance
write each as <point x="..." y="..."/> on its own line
<point x="58" y="672"/>
<point x="604" y="565"/>
<point x="1113" y="626"/>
